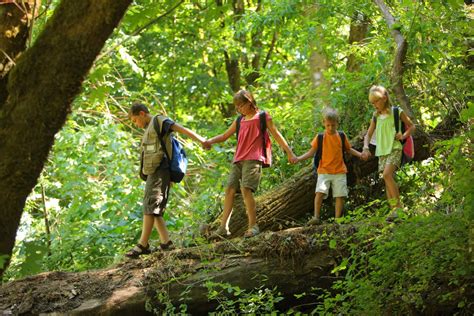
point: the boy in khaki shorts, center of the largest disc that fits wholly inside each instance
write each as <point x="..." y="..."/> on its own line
<point x="332" y="169"/>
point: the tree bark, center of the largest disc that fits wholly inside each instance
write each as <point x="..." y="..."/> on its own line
<point x="292" y="261"/>
<point x="40" y="89"/>
<point x="399" y="60"/>
<point x="15" y="22"/>
<point x="357" y="33"/>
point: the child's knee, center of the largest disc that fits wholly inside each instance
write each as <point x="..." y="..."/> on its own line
<point x="230" y="191"/>
<point x="387" y="174"/>
<point x="246" y="191"/>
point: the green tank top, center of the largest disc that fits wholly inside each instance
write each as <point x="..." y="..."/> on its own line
<point x="385" y="135"/>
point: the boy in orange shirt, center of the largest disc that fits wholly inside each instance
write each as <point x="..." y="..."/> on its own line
<point x="332" y="169"/>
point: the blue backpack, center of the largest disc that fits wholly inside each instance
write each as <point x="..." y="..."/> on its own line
<point x="177" y="161"/>
<point x="319" y="151"/>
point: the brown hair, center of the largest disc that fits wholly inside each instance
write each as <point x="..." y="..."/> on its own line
<point x="137" y="107"/>
<point x="243" y="96"/>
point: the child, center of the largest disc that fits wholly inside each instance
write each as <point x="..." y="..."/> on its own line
<point x="248" y="159"/>
<point x="389" y="147"/>
<point x="154" y="167"/>
<point x="332" y="169"/>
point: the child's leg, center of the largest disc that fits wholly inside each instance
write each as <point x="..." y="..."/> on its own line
<point x="318" y="202"/>
<point x="228" y="203"/>
<point x="251" y="174"/>
<point x="339" y="206"/>
<point x="340" y="191"/>
<point x="391" y="187"/>
<point x="160" y="225"/>
<point x="147" y="227"/>
<point x="249" y="202"/>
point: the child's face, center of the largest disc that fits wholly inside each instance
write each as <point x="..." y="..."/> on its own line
<point x="378" y="103"/>
<point x="330" y="125"/>
<point x="139" y="120"/>
<point x="244" y="108"/>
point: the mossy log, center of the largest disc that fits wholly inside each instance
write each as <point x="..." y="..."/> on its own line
<point x="290" y="261"/>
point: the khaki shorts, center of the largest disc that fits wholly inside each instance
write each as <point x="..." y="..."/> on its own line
<point x="245" y="174"/>
<point x="394" y="158"/>
<point x="157" y="188"/>
<point x="338" y="182"/>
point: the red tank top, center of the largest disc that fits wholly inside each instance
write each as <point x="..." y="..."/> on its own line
<point x="249" y="143"/>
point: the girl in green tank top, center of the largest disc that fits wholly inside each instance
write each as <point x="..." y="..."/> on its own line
<point x="389" y="148"/>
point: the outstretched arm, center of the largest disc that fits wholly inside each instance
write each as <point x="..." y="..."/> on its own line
<point x="356" y="153"/>
<point x="280" y="140"/>
<point x="367" y="138"/>
<point x="186" y="131"/>
<point x="222" y="137"/>
<point x="310" y="153"/>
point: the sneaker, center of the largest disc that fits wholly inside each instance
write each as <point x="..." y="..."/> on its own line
<point x="254" y="231"/>
<point x="314" y="221"/>
<point x="221" y="232"/>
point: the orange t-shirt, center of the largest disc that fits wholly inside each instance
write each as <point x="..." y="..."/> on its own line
<point x="331" y="161"/>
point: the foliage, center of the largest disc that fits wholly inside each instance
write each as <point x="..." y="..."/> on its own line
<point x="261" y="300"/>
<point x="174" y="61"/>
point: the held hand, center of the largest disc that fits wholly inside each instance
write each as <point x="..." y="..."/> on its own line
<point x="399" y="136"/>
<point x="294" y="159"/>
<point x="206" y="145"/>
<point x="365" y="154"/>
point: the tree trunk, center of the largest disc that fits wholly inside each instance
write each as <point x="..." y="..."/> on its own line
<point x="292" y="261"/>
<point x="357" y="33"/>
<point x="40" y="90"/>
<point x="399" y="60"/>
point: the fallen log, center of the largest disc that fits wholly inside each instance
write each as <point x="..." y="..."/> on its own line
<point x="290" y="261"/>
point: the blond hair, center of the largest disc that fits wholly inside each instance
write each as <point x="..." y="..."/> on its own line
<point x="378" y="92"/>
<point x="330" y="114"/>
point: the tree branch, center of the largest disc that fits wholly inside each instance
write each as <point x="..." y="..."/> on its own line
<point x="399" y="61"/>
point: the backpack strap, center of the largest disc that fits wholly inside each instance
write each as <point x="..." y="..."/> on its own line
<point x="396" y="118"/>
<point x="319" y="151"/>
<point x="343" y="140"/>
<point x="160" y="133"/>
<point x="263" y="129"/>
<point x="237" y="129"/>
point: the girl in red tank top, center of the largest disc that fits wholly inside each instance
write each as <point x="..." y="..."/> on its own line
<point x="248" y="159"/>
